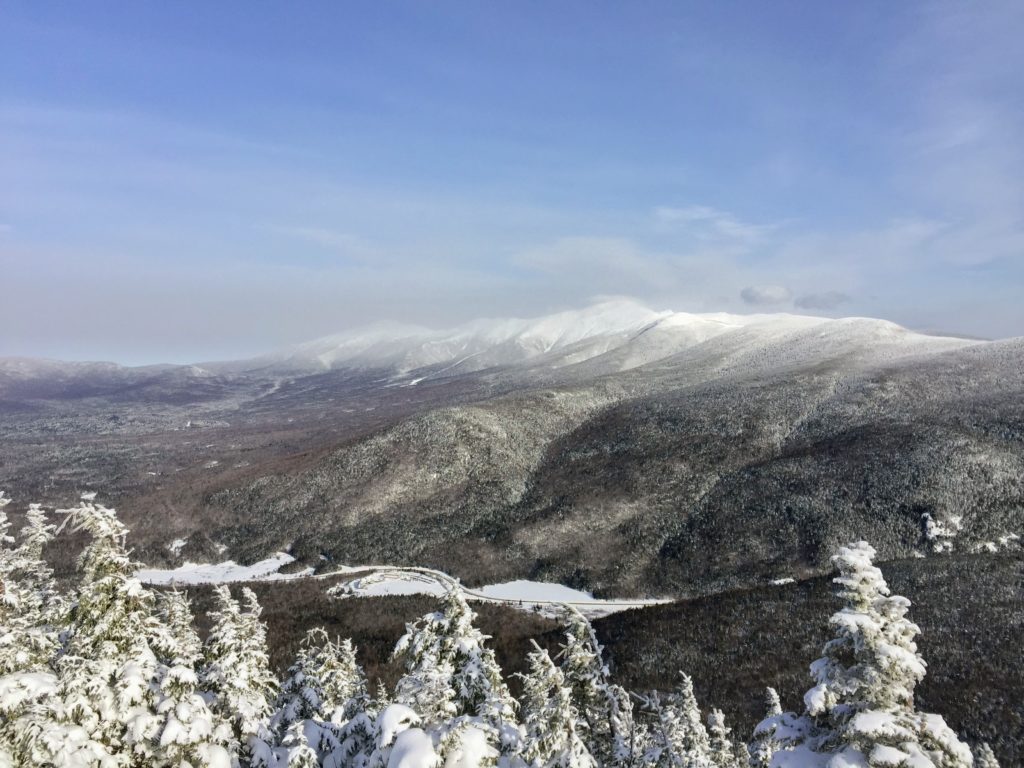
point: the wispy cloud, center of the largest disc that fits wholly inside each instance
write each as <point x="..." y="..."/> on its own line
<point x="706" y="221"/>
<point x="765" y="295"/>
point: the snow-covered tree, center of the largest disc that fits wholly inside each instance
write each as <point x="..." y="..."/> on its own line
<point x="389" y="746"/>
<point x="236" y="672"/>
<point x="30" y="604"/>
<point x="179" y="640"/>
<point x="107" y="666"/>
<point x="605" y="708"/>
<point x="764" y="744"/>
<point x="342" y="680"/>
<point x="302" y="696"/>
<point x="722" y="751"/>
<point x="188" y="732"/>
<point x="984" y="757"/>
<point x="297" y="751"/>
<point x="678" y="736"/>
<point x="862" y="705"/>
<point x="553" y="725"/>
<point x="449" y="672"/>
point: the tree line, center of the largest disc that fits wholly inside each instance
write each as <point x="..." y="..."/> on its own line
<point x="112" y="673"/>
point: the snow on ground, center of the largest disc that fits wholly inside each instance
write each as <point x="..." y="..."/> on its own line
<point x="175" y="546"/>
<point x="221" y="573"/>
<point x="534" y="596"/>
<point x="377" y="581"/>
<point x="533" y="590"/>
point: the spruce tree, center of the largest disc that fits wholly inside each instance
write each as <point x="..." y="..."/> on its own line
<point x="298" y="753"/>
<point x="30" y="604"/>
<point x="188" y="732"/>
<point x="450" y="673"/>
<point x="605" y="708"/>
<point x="984" y="757"/>
<point x="301" y="697"/>
<point x="236" y="670"/>
<point x="678" y="738"/>
<point x="342" y="681"/>
<point x="108" y="666"/>
<point x="862" y="705"/>
<point x="553" y="725"/>
<point x="765" y="744"/>
<point x="721" y="750"/>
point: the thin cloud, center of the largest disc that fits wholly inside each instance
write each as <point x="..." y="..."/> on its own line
<point x="825" y="301"/>
<point x="765" y="295"/>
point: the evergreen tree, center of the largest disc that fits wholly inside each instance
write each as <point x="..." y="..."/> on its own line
<point x="721" y="749"/>
<point x="301" y="697"/>
<point x="30" y="604"/>
<point x="343" y="682"/>
<point x="236" y="672"/>
<point x="188" y="733"/>
<point x="862" y="705"/>
<point x="179" y="641"/>
<point x="552" y="723"/>
<point x="678" y="737"/>
<point x="298" y="752"/>
<point x="984" y="757"/>
<point x="765" y="744"/>
<point x="449" y="672"/>
<point x="108" y="666"/>
<point x="605" y="708"/>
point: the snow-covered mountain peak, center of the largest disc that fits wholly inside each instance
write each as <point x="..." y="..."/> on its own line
<point x="617" y="333"/>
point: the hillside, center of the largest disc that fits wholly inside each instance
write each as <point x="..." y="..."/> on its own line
<point x="614" y="448"/>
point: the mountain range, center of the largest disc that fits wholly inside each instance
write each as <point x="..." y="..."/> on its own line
<point x="615" y="448"/>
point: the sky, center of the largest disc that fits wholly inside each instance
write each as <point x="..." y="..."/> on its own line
<point x="192" y="181"/>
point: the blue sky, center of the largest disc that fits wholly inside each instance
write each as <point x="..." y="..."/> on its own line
<point x="185" y="181"/>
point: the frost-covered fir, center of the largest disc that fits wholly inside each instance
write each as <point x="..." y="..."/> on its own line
<point x="188" y="733"/>
<point x="451" y="673"/>
<point x="606" y="709"/>
<point x="30" y="605"/>
<point x="861" y="710"/>
<point x="722" y="751"/>
<point x="236" y="672"/>
<point x="678" y="737"/>
<point x="764" y="744"/>
<point x="553" y="725"/>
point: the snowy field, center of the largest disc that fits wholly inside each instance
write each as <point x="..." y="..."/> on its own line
<point x="378" y="581"/>
<point x="227" y="572"/>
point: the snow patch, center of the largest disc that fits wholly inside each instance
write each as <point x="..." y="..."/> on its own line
<point x="175" y="546"/>
<point x="533" y="596"/>
<point x="941" y="534"/>
<point x="221" y="573"/>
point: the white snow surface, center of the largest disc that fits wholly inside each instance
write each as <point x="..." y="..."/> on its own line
<point x="534" y="590"/>
<point x="378" y="581"/>
<point x="176" y="545"/>
<point x="221" y="573"/>
<point x="623" y="328"/>
<point x="413" y="749"/>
